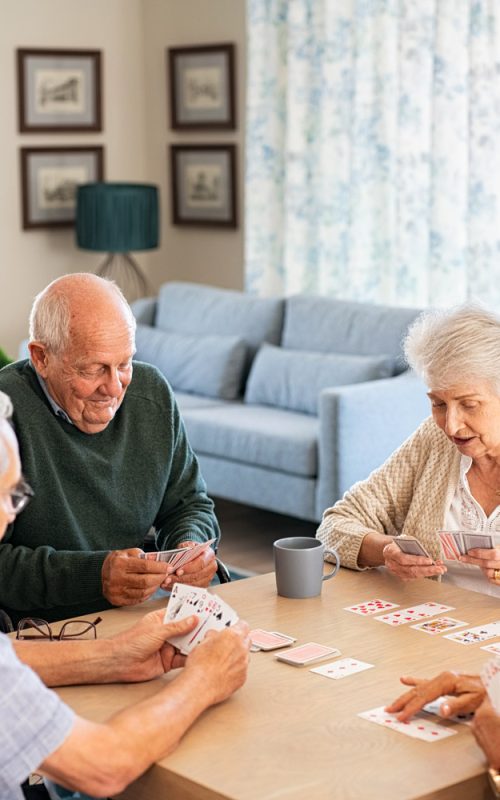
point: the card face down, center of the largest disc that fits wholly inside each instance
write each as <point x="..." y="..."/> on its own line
<point x="270" y="640"/>
<point x="307" y="654"/>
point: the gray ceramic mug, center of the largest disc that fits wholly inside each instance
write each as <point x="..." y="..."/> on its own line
<point x="298" y="564"/>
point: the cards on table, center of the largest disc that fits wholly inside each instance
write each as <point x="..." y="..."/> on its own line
<point x="307" y="654"/>
<point x="179" y="557"/>
<point x="492" y="648"/>
<point x="369" y="607"/>
<point x="490" y="676"/>
<point x="419" y="727"/>
<point x="269" y="640"/>
<point x="212" y="612"/>
<point x="439" y="625"/>
<point x="481" y="633"/>
<point x="413" y="614"/>
<point x="458" y="543"/>
<point x="342" y="668"/>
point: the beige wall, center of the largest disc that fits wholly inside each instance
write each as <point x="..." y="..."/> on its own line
<point x="132" y="35"/>
<point x="194" y="254"/>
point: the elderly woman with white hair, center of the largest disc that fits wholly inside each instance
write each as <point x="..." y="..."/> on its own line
<point x="446" y="476"/>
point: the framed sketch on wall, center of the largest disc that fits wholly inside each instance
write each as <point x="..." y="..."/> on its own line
<point x="202" y="87"/>
<point x="49" y="177"/>
<point x="59" y="90"/>
<point x="203" y="184"/>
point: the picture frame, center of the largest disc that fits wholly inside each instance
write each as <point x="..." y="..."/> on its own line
<point x="202" y="87"/>
<point x="59" y="90"/>
<point x="203" y="179"/>
<point x="49" y="176"/>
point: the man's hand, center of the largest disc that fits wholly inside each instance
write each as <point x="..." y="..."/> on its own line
<point x="128" y="579"/>
<point x="486" y="729"/>
<point x="222" y="659"/>
<point x="142" y="652"/>
<point x="409" y="567"/>
<point x="487" y="560"/>
<point x="199" y="571"/>
<point x="468" y="694"/>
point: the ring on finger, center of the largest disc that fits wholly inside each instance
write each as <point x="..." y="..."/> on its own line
<point x="496" y="575"/>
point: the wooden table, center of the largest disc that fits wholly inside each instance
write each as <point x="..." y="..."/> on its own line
<point x="290" y="734"/>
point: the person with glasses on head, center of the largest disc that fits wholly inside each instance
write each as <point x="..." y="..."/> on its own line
<point x="103" y="438"/>
<point x="39" y="732"/>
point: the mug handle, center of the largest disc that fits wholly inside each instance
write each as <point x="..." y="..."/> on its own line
<point x="335" y="568"/>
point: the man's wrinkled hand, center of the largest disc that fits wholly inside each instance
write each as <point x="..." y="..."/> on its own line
<point x="467" y="693"/>
<point x="198" y="572"/>
<point x="128" y="579"/>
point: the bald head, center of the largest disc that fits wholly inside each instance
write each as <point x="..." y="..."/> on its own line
<point x="70" y="308"/>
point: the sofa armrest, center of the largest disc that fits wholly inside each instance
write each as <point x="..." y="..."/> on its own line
<point x="144" y="310"/>
<point x="360" y="426"/>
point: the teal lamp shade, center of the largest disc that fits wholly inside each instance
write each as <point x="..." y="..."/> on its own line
<point x="117" y="217"/>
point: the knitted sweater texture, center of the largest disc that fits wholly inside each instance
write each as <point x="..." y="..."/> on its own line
<point x="410" y="493"/>
<point x="95" y="493"/>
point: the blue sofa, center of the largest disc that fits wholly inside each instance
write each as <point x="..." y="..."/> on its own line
<point x="287" y="401"/>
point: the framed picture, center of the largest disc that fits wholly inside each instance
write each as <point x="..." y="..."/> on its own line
<point x="49" y="178"/>
<point x="204" y="184"/>
<point x="202" y="92"/>
<point x="59" y="90"/>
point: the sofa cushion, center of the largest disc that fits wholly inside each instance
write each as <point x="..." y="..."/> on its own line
<point x="258" y="435"/>
<point x="204" y="310"/>
<point x="324" y="324"/>
<point x="206" y="365"/>
<point x="294" y="378"/>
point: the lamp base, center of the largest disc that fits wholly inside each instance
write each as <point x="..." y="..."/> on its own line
<point x="126" y="272"/>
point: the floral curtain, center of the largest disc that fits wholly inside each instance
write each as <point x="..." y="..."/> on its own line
<point x="373" y="149"/>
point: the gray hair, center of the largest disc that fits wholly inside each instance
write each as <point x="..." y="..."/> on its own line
<point x="5" y="414"/>
<point x="456" y="345"/>
<point x="50" y="316"/>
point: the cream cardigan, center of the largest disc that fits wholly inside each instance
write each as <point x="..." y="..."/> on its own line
<point x="408" y="494"/>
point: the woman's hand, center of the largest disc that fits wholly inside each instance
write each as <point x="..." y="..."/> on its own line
<point x="487" y="560"/>
<point x="467" y="690"/>
<point x="409" y="567"/>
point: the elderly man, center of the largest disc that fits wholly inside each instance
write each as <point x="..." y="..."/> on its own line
<point x="38" y="731"/>
<point x="103" y="441"/>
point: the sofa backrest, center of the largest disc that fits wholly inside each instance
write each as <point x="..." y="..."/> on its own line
<point x="200" y="310"/>
<point x="324" y="324"/>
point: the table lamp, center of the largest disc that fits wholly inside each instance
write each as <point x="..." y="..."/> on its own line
<point x="117" y="218"/>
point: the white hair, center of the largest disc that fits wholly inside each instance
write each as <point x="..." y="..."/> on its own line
<point x="50" y="315"/>
<point x="5" y="414"/>
<point x="454" y="346"/>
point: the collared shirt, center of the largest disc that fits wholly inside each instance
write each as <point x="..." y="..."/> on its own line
<point x="58" y="411"/>
<point x="34" y="722"/>
<point x="465" y="513"/>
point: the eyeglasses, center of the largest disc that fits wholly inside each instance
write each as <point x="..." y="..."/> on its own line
<point x="19" y="496"/>
<point x="33" y="628"/>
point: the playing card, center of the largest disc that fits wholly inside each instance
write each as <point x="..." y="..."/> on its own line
<point x="490" y="676"/>
<point x="473" y="540"/>
<point x="410" y="546"/>
<point x="368" y="607"/>
<point x="418" y="727"/>
<point x="270" y="640"/>
<point x="439" y="625"/>
<point x="212" y="612"/>
<point x="413" y="614"/>
<point x="481" y="633"/>
<point x="342" y="668"/>
<point x="178" y="557"/>
<point x="492" y="648"/>
<point x="435" y="705"/>
<point x="452" y="551"/>
<point x="307" y="654"/>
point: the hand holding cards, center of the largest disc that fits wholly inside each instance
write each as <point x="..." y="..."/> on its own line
<point x="212" y="612"/>
<point x="180" y="556"/>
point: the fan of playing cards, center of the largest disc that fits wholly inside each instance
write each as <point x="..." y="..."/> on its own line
<point x="179" y="557"/>
<point x="212" y="612"/>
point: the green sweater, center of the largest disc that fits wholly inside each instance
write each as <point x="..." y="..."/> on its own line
<point x="95" y="493"/>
